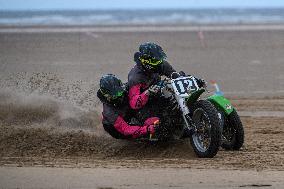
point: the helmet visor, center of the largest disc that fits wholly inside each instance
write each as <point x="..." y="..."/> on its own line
<point x="118" y="95"/>
<point x="155" y="62"/>
<point x="113" y="97"/>
<point x="151" y="61"/>
<point x="117" y="99"/>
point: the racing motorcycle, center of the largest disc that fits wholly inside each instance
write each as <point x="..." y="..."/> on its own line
<point x="183" y="114"/>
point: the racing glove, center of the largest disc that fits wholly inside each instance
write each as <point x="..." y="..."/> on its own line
<point x="181" y="73"/>
<point x="153" y="124"/>
<point x="178" y="74"/>
<point x="154" y="89"/>
<point x="151" y="129"/>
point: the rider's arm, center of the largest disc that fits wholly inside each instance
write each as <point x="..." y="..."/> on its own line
<point x="167" y="69"/>
<point x="113" y="120"/>
<point x="137" y="99"/>
<point x="129" y="130"/>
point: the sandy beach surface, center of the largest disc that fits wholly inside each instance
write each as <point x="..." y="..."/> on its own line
<point x="110" y="178"/>
<point x="50" y="132"/>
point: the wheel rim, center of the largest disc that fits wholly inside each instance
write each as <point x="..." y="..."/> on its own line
<point x="202" y="136"/>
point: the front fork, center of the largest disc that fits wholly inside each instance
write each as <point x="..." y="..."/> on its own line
<point x="186" y="114"/>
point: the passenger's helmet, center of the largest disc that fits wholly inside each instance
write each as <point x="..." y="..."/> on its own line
<point x="112" y="89"/>
<point x="151" y="56"/>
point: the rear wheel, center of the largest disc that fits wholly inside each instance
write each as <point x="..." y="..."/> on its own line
<point x="207" y="136"/>
<point x="233" y="132"/>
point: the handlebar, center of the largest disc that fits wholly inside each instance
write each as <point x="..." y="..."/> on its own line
<point x="175" y="75"/>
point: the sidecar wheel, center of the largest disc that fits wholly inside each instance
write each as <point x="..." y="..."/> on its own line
<point x="233" y="132"/>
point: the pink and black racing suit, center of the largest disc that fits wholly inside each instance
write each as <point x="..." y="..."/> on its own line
<point x="115" y="124"/>
<point x="139" y="80"/>
<point x="116" y="120"/>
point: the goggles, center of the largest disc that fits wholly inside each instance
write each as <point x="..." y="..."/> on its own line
<point x="112" y="97"/>
<point x="151" y="61"/>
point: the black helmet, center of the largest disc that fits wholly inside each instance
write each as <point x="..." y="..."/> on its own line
<point x="112" y="89"/>
<point x="151" y="56"/>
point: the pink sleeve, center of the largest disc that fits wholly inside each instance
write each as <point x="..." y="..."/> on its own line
<point x="125" y="129"/>
<point x="136" y="99"/>
<point x="151" y="121"/>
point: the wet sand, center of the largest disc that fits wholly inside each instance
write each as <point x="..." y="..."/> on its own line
<point x="49" y="111"/>
<point x="99" y="178"/>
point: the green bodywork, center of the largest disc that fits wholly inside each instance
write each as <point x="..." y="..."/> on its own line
<point x="221" y="103"/>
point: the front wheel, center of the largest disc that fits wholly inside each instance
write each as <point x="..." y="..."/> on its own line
<point x="207" y="136"/>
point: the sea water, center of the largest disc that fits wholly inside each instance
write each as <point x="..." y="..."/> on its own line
<point x="148" y="17"/>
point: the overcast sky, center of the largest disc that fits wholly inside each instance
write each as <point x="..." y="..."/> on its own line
<point x="132" y="4"/>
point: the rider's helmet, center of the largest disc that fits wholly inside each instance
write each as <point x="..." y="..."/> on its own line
<point x="112" y="89"/>
<point x="151" y="56"/>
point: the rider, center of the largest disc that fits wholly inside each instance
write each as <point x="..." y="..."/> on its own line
<point x="150" y="65"/>
<point x="117" y="113"/>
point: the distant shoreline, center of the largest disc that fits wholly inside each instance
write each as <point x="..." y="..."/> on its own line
<point x="149" y="17"/>
<point x="139" y="28"/>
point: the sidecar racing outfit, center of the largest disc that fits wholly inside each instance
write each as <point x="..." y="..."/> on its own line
<point x="117" y="114"/>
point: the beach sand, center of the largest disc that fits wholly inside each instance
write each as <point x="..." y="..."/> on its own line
<point x="49" y="114"/>
<point x="244" y="63"/>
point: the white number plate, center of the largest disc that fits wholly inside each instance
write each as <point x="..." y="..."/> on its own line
<point x="183" y="85"/>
